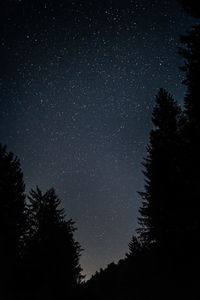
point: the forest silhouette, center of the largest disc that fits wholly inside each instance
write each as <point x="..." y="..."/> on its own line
<point x="39" y="257"/>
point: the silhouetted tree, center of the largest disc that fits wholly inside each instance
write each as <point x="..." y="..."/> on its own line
<point x="169" y="214"/>
<point x="52" y="254"/>
<point x="135" y="247"/>
<point x="12" y="218"/>
<point x="190" y="52"/>
<point x="158" y="212"/>
<point x="191" y="140"/>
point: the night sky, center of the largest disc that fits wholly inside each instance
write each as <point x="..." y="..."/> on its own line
<point x="77" y="86"/>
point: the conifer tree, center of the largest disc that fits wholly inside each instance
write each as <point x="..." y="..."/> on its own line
<point x="135" y="247"/>
<point x="52" y="253"/>
<point x="190" y="52"/>
<point x="190" y="166"/>
<point x="158" y="212"/>
<point x="12" y="216"/>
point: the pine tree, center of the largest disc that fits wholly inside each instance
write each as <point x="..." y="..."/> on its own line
<point x="190" y="52"/>
<point x="12" y="216"/>
<point x="158" y="214"/>
<point x="52" y="252"/>
<point x="191" y="138"/>
<point x="135" y="247"/>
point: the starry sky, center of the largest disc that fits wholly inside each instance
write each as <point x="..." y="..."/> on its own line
<point x="77" y="86"/>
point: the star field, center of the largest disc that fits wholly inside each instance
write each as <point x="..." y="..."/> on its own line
<point x="77" y="82"/>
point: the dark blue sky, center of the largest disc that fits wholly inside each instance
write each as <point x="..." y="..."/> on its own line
<point x="77" y="86"/>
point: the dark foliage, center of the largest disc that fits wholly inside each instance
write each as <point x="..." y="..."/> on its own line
<point x="190" y="52"/>
<point x="158" y="212"/>
<point x="135" y="247"/>
<point x="52" y="255"/>
<point x="191" y="141"/>
<point x="162" y="262"/>
<point x="12" y="219"/>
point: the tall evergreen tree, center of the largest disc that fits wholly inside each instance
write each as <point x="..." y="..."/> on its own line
<point x="12" y="216"/>
<point x="52" y="252"/>
<point x="158" y="211"/>
<point x="190" y="52"/>
<point x="191" y="135"/>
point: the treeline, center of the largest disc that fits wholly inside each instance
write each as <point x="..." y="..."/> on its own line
<point x="39" y="258"/>
<point x="163" y="261"/>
